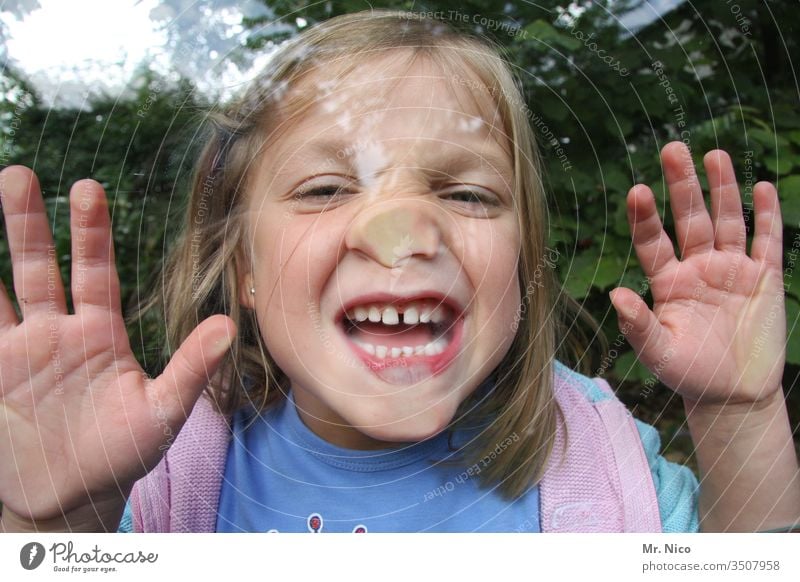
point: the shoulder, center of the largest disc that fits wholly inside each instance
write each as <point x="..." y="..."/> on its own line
<point x="126" y="522"/>
<point x="593" y="390"/>
<point x="676" y="485"/>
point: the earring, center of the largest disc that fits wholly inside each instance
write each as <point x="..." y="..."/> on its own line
<point x="252" y="290"/>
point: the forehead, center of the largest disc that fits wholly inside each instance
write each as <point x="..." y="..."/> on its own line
<point x="394" y="96"/>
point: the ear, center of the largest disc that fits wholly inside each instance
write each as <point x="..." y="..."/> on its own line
<point x="246" y="298"/>
<point x="245" y="281"/>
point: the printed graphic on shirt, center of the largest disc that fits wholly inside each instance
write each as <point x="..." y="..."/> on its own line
<point x="314" y="522"/>
<point x="360" y="528"/>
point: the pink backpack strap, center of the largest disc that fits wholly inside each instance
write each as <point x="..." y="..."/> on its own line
<point x="598" y="478"/>
<point x="182" y="493"/>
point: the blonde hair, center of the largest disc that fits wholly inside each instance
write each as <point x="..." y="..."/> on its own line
<point x="210" y="251"/>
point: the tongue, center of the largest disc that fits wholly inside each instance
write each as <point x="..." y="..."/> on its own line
<point x="392" y="336"/>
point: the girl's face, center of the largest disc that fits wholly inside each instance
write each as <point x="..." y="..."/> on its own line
<point x="384" y="247"/>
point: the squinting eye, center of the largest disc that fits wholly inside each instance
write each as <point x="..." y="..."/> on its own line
<point x="321" y="192"/>
<point x="472" y="197"/>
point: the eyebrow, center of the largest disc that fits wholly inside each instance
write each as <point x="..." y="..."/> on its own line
<point x="458" y="158"/>
<point x="321" y="149"/>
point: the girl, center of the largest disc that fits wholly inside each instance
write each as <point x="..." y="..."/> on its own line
<point x="370" y="220"/>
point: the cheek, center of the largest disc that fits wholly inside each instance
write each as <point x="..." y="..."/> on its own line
<point x="293" y="259"/>
<point x="491" y="262"/>
<point x="491" y="259"/>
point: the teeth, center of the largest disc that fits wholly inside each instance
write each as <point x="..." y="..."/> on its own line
<point x="411" y="316"/>
<point x="433" y="348"/>
<point x="412" y="313"/>
<point x="390" y="316"/>
<point x="374" y="314"/>
<point x="425" y="315"/>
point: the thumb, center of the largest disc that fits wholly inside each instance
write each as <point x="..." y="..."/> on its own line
<point x="639" y="325"/>
<point x="192" y="367"/>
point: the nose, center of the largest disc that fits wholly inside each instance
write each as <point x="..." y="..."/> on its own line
<point x="391" y="232"/>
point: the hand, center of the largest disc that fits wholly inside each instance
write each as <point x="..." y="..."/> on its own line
<point x="717" y="330"/>
<point x="80" y="420"/>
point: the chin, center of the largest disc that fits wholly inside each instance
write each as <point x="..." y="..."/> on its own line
<point x="418" y="426"/>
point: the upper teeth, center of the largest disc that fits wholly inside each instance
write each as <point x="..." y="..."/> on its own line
<point x="413" y="313"/>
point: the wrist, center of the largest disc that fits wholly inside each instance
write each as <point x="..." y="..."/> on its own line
<point x="765" y="407"/>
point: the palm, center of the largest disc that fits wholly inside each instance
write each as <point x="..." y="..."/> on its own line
<point x="81" y="417"/>
<point x="717" y="328"/>
<point x="64" y="415"/>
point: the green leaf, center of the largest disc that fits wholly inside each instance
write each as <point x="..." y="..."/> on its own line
<point x="793" y="329"/>
<point x="627" y="368"/>
<point x="768" y="139"/>
<point x="578" y="274"/>
<point x="609" y="271"/>
<point x="779" y="166"/>
<point x="543" y="31"/>
<point x="616" y="181"/>
<point x="617" y="125"/>
<point x="788" y="279"/>
<point x="789" y="193"/>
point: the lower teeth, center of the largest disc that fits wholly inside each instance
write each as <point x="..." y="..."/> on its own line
<point x="381" y="352"/>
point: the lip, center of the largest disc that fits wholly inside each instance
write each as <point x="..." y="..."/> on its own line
<point x="394" y="299"/>
<point x="436" y="364"/>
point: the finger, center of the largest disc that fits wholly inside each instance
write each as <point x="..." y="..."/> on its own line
<point x="94" y="275"/>
<point x="37" y="279"/>
<point x="8" y="317"/>
<point x="653" y="246"/>
<point x="693" y="226"/>
<point x="726" y="203"/>
<point x="768" y="236"/>
<point x="193" y="366"/>
<point x="640" y="326"/>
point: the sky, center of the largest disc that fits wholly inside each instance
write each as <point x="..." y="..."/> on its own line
<point x="69" y="47"/>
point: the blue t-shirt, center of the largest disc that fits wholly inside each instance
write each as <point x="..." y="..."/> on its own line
<point x="280" y="476"/>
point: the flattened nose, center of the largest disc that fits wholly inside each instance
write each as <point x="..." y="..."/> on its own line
<point x="394" y="232"/>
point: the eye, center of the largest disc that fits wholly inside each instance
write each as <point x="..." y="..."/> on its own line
<point x="328" y="191"/>
<point x="322" y="193"/>
<point x="472" y="197"/>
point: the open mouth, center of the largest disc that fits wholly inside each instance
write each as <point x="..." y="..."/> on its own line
<point x="402" y="333"/>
